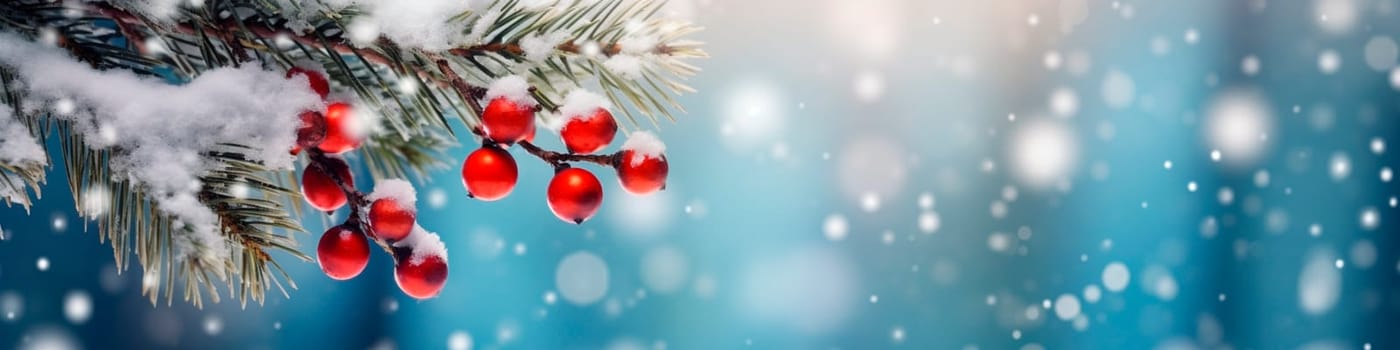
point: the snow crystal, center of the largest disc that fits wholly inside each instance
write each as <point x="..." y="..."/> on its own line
<point x="398" y="190"/>
<point x="1043" y="152"/>
<point x="538" y="47"/>
<point x="459" y="340"/>
<point x="644" y="144"/>
<point x="1115" y="276"/>
<point x="424" y="244"/>
<point x="77" y="307"/>
<point x="835" y="227"/>
<point x="1092" y="293"/>
<point x="581" y="103"/>
<point x="1118" y="89"/>
<point x="1329" y="61"/>
<point x="627" y="66"/>
<point x="1381" y="53"/>
<point x="167" y="128"/>
<point x="929" y="222"/>
<point x="1319" y="283"/>
<point x="1064" y="102"/>
<point x="1336" y="16"/>
<point x="1250" y="65"/>
<point x="582" y="278"/>
<point x="17" y="145"/>
<point x="512" y="87"/>
<point x="1236" y="123"/>
<point x="1370" y="218"/>
<point x="1339" y="166"/>
<point x="1066" y="306"/>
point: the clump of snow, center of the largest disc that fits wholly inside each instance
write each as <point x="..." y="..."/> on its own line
<point x="159" y="10"/>
<point x="638" y="44"/>
<point x="627" y="66"/>
<point x="164" y="130"/>
<point x="512" y="87"/>
<point x="423" y="24"/>
<point x="399" y="191"/>
<point x="17" y="145"/>
<point x="538" y="47"/>
<point x="645" y="144"/>
<point x="581" y="104"/>
<point x="424" y="244"/>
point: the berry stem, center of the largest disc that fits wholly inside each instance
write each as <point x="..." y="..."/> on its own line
<point x="358" y="200"/>
<point x="558" y="159"/>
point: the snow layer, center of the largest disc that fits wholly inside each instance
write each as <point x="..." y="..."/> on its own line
<point x="398" y="190"/>
<point x="512" y="87"/>
<point x="17" y="145"/>
<point x="538" y="47"/>
<point x="581" y="103"/>
<point x="645" y="144"/>
<point x="164" y="129"/>
<point x="423" y="244"/>
<point x="625" y="65"/>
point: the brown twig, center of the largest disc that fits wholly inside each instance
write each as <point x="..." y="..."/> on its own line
<point x="560" y="159"/>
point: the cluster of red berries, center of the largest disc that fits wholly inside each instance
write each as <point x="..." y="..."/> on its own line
<point x="574" y="194"/>
<point x="343" y="251"/>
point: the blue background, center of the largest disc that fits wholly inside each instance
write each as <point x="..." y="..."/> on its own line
<point x="788" y="131"/>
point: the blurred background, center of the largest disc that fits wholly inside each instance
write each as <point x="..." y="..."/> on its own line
<point x="1030" y="174"/>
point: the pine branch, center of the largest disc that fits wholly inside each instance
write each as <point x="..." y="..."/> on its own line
<point x="424" y="96"/>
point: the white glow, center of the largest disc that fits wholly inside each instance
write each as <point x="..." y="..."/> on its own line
<point x="835" y="227"/>
<point x="1115" y="276"/>
<point x="1066" y="306"/>
<point x="641" y="217"/>
<point x="77" y="307"/>
<point x="753" y="114"/>
<point x="1381" y="53"/>
<point x="1335" y="16"/>
<point x="1118" y="89"/>
<point x="1329" y="61"/>
<point x="582" y="278"/>
<point x="869" y="86"/>
<point x="1043" y="153"/>
<point x="1319" y="283"/>
<point x="459" y="340"/>
<point x="1064" y="102"/>
<point x="1238" y="123"/>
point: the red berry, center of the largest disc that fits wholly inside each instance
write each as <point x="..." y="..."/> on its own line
<point x="320" y="189"/>
<point x="390" y="220"/>
<point x="421" y="277"/>
<point x="315" y="80"/>
<point x="530" y="135"/>
<point x="343" y="252"/>
<point x="342" y="134"/>
<point x="506" y="121"/>
<point x="588" y="134"/>
<point x="575" y="195"/>
<point x="489" y="173"/>
<point x="310" y="132"/>
<point x="642" y="174"/>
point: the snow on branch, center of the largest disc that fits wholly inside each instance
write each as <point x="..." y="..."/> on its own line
<point x="165" y="131"/>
